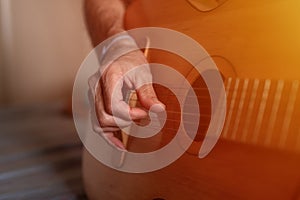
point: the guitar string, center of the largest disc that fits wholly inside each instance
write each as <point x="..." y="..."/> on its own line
<point x="187" y="113"/>
<point x="255" y="90"/>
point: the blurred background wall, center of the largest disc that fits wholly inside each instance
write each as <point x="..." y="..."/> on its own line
<point x="43" y="43"/>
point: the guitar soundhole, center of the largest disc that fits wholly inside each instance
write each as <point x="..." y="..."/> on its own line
<point x="206" y="5"/>
<point x="174" y="115"/>
<point x="204" y="104"/>
<point x="140" y="145"/>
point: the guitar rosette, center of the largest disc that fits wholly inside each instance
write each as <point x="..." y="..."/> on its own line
<point x="132" y="162"/>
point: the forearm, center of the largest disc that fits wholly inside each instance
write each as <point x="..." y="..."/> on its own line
<point x="104" y="18"/>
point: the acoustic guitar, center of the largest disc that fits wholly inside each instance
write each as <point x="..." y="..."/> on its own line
<point x="255" y="44"/>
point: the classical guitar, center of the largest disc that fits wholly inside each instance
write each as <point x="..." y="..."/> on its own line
<point x="255" y="44"/>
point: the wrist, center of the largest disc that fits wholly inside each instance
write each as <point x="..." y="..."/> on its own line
<point x="116" y="47"/>
<point x="120" y="41"/>
<point x="114" y="30"/>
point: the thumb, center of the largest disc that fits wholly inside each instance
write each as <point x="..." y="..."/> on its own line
<point x="148" y="98"/>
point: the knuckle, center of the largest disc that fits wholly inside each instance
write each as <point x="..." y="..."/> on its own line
<point x="104" y="121"/>
<point x="108" y="108"/>
<point x="92" y="80"/>
<point x="95" y="128"/>
<point x="114" y="77"/>
<point x="148" y="91"/>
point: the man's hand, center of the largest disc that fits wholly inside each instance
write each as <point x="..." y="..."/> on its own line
<point x="128" y="71"/>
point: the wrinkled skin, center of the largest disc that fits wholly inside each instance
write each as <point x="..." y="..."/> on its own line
<point x="112" y="112"/>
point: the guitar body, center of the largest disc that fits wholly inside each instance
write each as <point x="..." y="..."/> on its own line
<point x="255" y="45"/>
<point x="259" y="38"/>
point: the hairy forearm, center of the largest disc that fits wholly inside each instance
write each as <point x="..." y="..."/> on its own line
<point x="104" y="18"/>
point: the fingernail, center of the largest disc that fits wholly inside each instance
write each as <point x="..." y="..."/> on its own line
<point x="159" y="107"/>
<point x="137" y="113"/>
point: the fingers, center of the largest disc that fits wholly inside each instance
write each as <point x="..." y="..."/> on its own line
<point x="109" y="110"/>
<point x="114" y="141"/>
<point x="107" y="120"/>
<point x="114" y="103"/>
<point x="103" y="123"/>
<point x="148" y="98"/>
<point x="111" y="85"/>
